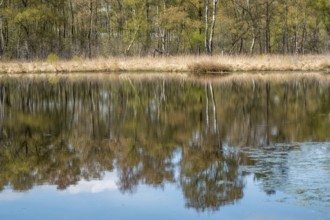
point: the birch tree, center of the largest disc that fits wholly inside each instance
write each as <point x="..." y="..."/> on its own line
<point x="209" y="36"/>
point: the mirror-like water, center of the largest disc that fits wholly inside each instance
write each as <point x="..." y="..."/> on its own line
<point x="91" y="148"/>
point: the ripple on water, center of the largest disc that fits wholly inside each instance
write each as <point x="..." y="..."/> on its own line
<point x="302" y="172"/>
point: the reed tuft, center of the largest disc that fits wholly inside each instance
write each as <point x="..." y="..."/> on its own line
<point x="208" y="67"/>
<point x="325" y="65"/>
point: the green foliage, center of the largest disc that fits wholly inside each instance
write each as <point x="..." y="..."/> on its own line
<point x="173" y="17"/>
<point x="323" y="9"/>
<point x="52" y="57"/>
<point x="31" y="15"/>
<point x="76" y="58"/>
<point x="33" y="29"/>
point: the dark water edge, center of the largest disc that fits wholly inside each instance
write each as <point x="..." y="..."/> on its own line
<point x="205" y="148"/>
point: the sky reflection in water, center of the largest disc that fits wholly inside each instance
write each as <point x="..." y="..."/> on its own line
<point x="122" y="149"/>
<point x="81" y="202"/>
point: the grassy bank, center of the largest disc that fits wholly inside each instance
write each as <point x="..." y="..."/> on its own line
<point x="192" y="64"/>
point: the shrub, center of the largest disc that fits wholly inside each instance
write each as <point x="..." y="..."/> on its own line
<point x="52" y="57"/>
<point x="325" y="65"/>
<point x="76" y="58"/>
<point x="209" y="68"/>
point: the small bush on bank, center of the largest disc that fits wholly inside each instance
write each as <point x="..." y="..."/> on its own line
<point x="77" y="58"/>
<point x="325" y="65"/>
<point x="52" y="57"/>
<point x="209" y="68"/>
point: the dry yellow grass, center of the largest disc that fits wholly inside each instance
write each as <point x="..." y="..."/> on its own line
<point x="196" y="64"/>
<point x="129" y="64"/>
<point x="262" y="63"/>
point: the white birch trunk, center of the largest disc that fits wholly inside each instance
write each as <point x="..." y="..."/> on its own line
<point x="207" y="25"/>
<point x="214" y="11"/>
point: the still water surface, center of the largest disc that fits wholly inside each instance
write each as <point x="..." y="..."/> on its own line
<point x="121" y="148"/>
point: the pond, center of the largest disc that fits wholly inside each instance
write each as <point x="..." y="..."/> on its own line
<point x="117" y="147"/>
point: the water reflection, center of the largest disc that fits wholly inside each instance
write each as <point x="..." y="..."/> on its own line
<point x="203" y="136"/>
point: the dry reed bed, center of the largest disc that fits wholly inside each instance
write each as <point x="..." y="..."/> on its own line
<point x="261" y="63"/>
<point x="131" y="64"/>
<point x="192" y="64"/>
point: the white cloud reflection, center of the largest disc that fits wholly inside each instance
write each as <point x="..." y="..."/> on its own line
<point x="9" y="195"/>
<point x="95" y="186"/>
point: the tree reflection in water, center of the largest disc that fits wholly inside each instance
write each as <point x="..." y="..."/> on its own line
<point x="59" y="131"/>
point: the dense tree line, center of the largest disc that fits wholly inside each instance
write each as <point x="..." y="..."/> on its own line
<point x="33" y="29"/>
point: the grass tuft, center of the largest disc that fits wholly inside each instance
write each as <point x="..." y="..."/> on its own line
<point x="325" y="65"/>
<point x="208" y="67"/>
<point x="52" y="57"/>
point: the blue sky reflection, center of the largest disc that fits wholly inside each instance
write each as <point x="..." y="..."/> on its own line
<point x="100" y="199"/>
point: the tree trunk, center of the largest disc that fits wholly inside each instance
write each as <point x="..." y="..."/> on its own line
<point x="2" y="39"/>
<point x="207" y="25"/>
<point x="147" y="43"/>
<point x="214" y="11"/>
<point x="27" y="41"/>
<point x="200" y="15"/>
<point x="133" y="40"/>
<point x="253" y="41"/>
<point x="163" y="33"/>
<point x="253" y="27"/>
<point x="120" y="19"/>
<point x="296" y="45"/>
<point x="286" y="34"/>
<point x="303" y="36"/>
<point x="267" y="29"/>
<point x="72" y="23"/>
<point x="108" y="23"/>
<point x="90" y="29"/>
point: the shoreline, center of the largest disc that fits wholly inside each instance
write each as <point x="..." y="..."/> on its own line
<point x="239" y="79"/>
<point x="199" y="65"/>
